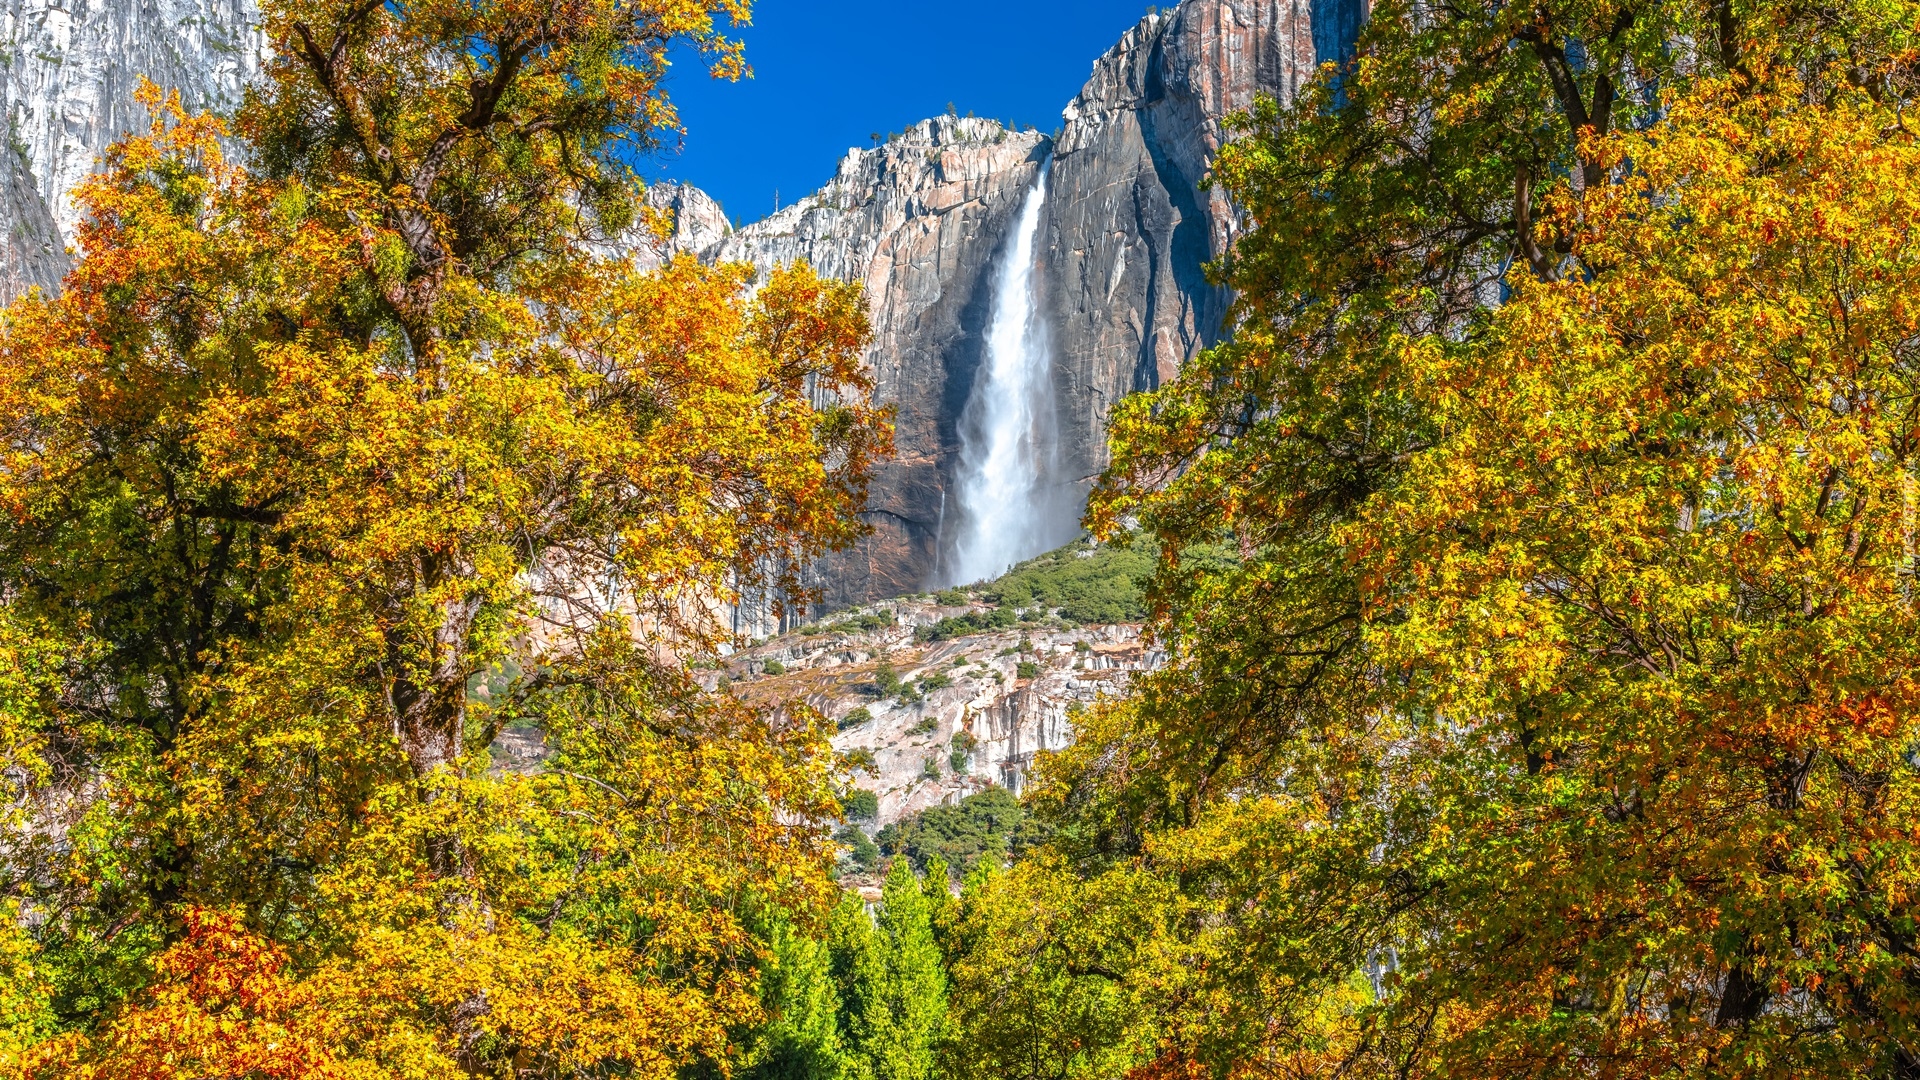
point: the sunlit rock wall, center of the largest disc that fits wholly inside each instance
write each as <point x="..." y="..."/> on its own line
<point x="918" y="220"/>
<point x="67" y="84"/>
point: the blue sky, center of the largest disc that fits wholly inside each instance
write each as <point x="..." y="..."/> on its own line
<point x="828" y="73"/>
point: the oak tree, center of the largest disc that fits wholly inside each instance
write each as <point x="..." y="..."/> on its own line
<point x="334" y="459"/>
<point x="1561" y="691"/>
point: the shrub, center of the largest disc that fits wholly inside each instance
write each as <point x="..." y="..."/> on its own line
<point x="861" y="851"/>
<point x="773" y="667"/>
<point x="930" y="769"/>
<point x="974" y="622"/>
<point x="951" y="597"/>
<point x="1086" y="584"/>
<point x="885" y="679"/>
<point x="1082" y="647"/>
<point x="957" y="761"/>
<point x="930" y="683"/>
<point x="925" y="727"/>
<point x="860" y="805"/>
<point x="1028" y="670"/>
<point x="860" y="759"/>
<point x="854" y="625"/>
<point x="854" y="719"/>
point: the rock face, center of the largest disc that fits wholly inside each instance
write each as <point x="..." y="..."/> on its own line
<point x="988" y="701"/>
<point x="919" y="221"/>
<point x="1127" y="233"/>
<point x="698" y="224"/>
<point x="1130" y="228"/>
<point x="68" y="84"/>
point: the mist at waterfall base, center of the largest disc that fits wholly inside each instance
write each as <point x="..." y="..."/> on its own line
<point x="1010" y="504"/>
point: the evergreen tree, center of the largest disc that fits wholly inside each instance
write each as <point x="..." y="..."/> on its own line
<point x="937" y="887"/>
<point x="802" y="1038"/>
<point x="851" y="945"/>
<point x="902" y="986"/>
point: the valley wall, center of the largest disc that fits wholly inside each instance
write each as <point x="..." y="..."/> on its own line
<point x="1128" y="232"/>
<point x="67" y="85"/>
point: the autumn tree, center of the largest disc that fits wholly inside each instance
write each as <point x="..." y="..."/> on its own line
<point x="1561" y="692"/>
<point x="325" y="466"/>
<point x="1043" y="969"/>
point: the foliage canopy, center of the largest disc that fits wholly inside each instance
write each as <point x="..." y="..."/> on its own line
<point x="320" y="471"/>
<point x="1562" y="691"/>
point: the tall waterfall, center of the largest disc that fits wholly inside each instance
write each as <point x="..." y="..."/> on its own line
<point x="1008" y="439"/>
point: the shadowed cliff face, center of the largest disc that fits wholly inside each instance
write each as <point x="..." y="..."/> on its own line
<point x="1131" y="229"/>
<point x="68" y="87"/>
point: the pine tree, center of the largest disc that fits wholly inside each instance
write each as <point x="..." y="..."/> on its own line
<point x="902" y="985"/>
<point x="937" y="887"/>
<point x="851" y="945"/>
<point x="802" y="1038"/>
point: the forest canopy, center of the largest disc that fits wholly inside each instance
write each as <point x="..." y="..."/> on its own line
<point x="1558" y="717"/>
<point x="1534" y="562"/>
<point x="323" y="439"/>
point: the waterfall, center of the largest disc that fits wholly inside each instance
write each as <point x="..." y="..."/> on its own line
<point x="1008" y="439"/>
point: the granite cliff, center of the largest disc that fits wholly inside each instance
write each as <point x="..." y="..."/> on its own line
<point x="918" y="220"/>
<point x="67" y="85"/>
<point x="1128" y="230"/>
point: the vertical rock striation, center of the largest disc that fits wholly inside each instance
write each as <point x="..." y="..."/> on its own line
<point x="71" y="68"/>
<point x="1132" y="228"/>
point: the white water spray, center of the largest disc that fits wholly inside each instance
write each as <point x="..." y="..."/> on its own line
<point x="1007" y="431"/>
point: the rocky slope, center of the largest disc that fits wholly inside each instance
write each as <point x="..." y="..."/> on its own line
<point x="67" y="85"/>
<point x="968" y="712"/>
